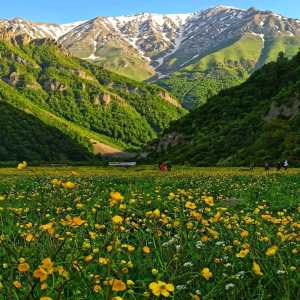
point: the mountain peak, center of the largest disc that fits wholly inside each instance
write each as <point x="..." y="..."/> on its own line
<point x="19" y="20"/>
<point x="252" y="9"/>
<point x="226" y="7"/>
<point x="163" y="43"/>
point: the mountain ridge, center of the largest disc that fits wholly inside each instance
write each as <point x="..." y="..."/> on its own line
<point x="130" y="27"/>
<point x="168" y="49"/>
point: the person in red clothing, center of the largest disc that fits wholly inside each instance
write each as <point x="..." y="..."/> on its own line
<point x="163" y="167"/>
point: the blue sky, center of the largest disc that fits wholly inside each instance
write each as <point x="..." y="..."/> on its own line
<point x="62" y="11"/>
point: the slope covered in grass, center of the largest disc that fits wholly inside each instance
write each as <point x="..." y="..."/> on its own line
<point x="255" y="122"/>
<point x="224" y="68"/>
<point x="227" y="67"/>
<point x="25" y="137"/>
<point x="75" y="97"/>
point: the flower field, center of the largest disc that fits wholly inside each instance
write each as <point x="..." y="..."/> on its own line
<point x="138" y="234"/>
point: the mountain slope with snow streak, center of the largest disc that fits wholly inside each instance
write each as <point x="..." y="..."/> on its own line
<point x="154" y="46"/>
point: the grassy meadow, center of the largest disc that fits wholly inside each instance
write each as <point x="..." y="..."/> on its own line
<point x="109" y="233"/>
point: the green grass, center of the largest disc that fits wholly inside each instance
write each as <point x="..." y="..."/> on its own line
<point x="227" y="67"/>
<point x="170" y="213"/>
<point x="244" y="53"/>
<point x="222" y="69"/>
<point x="126" y="63"/>
<point x="288" y="45"/>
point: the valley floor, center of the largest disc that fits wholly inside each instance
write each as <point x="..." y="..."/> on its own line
<point x="142" y="170"/>
<point x="130" y="234"/>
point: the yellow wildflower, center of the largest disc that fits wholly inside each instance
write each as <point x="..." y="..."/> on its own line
<point x="190" y="205"/>
<point x="88" y="258"/>
<point x="243" y="253"/>
<point x="29" y="237"/>
<point x="118" y="285"/>
<point x="206" y="273"/>
<point x="130" y="282"/>
<point x="69" y="185"/>
<point x="103" y="261"/>
<point x="56" y="182"/>
<point x="156" y="213"/>
<point x="23" y="267"/>
<point x="48" y="227"/>
<point x="244" y="233"/>
<point x="40" y="274"/>
<point x="208" y="200"/>
<point x="146" y="250"/>
<point x="17" y="284"/>
<point x="62" y="272"/>
<point x="116" y="196"/>
<point x="97" y="288"/>
<point x="256" y="269"/>
<point x="272" y="250"/>
<point x="48" y="265"/>
<point x="77" y="221"/>
<point x="117" y="219"/>
<point x="161" y="288"/>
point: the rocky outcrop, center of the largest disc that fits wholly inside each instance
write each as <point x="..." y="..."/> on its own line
<point x="169" y="140"/>
<point x="51" y="42"/>
<point x="13" y="79"/>
<point x="278" y="110"/>
<point x="166" y="96"/>
<point x="53" y="85"/>
<point x="104" y="99"/>
<point x="84" y="75"/>
<point x="20" y="39"/>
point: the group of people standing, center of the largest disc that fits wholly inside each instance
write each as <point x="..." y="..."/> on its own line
<point x="280" y="165"/>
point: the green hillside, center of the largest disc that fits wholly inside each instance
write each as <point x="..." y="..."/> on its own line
<point x="226" y="67"/>
<point x="25" y="137"/>
<point x="290" y="45"/>
<point x="82" y="135"/>
<point x="124" y="62"/>
<point x="255" y="122"/>
<point x="79" y="100"/>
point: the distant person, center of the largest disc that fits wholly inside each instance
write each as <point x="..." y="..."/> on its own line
<point x="267" y="167"/>
<point x="278" y="166"/>
<point x="169" y="167"/>
<point x="285" y="165"/>
<point x="162" y="167"/>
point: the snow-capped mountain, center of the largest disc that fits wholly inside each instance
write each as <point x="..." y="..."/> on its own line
<point x="215" y="28"/>
<point x="152" y="34"/>
<point x="18" y="26"/>
<point x="156" y="43"/>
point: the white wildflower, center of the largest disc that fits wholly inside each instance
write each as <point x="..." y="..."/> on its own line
<point x="188" y="264"/>
<point x="229" y="286"/>
<point x="181" y="287"/>
<point x="199" y="244"/>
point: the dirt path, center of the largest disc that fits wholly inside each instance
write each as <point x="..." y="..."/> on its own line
<point x="108" y="151"/>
